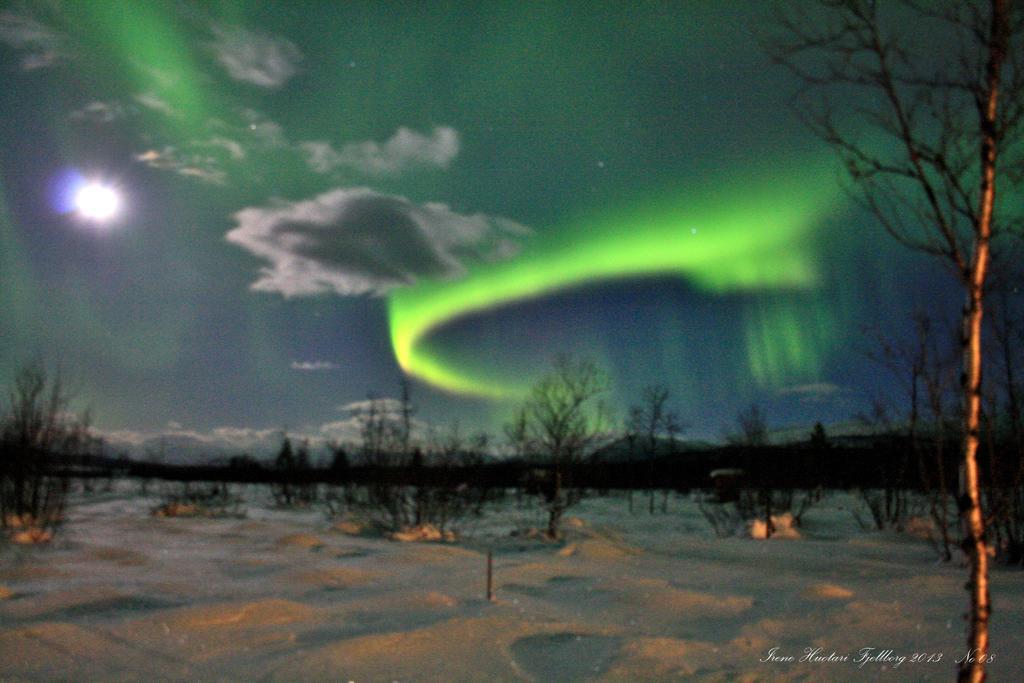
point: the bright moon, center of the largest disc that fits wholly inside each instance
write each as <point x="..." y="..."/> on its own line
<point x="97" y="202"/>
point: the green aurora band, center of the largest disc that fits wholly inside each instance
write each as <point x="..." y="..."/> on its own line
<point x="724" y="237"/>
<point x="153" y="54"/>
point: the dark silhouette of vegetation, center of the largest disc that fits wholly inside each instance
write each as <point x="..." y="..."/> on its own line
<point x="1006" y="423"/>
<point x="408" y="485"/>
<point x="752" y="489"/>
<point x="560" y="449"/>
<point x="562" y="421"/>
<point x="652" y="426"/>
<point x="198" y="499"/>
<point x="293" y="485"/>
<point x="764" y="499"/>
<point x="949" y="112"/>
<point x="38" y="436"/>
<point x="753" y="427"/>
<point x="340" y="464"/>
<point x="889" y="503"/>
<point x="819" y="439"/>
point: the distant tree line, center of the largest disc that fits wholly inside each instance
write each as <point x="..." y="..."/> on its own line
<point x="561" y="445"/>
<point x="852" y="462"/>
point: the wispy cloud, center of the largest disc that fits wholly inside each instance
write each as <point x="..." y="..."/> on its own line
<point x="405" y="149"/>
<point x="245" y="437"/>
<point x="356" y="241"/>
<point x="388" y="410"/>
<point x="263" y="129"/>
<point x="217" y="154"/>
<point x="817" y="392"/>
<point x="202" y="167"/>
<point x="253" y="57"/>
<point x="178" y="444"/>
<point x="100" y="112"/>
<point x="155" y="102"/>
<point x="390" y="406"/>
<point x="314" y="365"/>
<point x="233" y="147"/>
<point x="39" y="45"/>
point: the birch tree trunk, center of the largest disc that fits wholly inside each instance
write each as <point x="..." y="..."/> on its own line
<point x="973" y="667"/>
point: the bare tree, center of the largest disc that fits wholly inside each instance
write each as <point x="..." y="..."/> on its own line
<point x="455" y="492"/>
<point x="939" y="86"/>
<point x="406" y="412"/>
<point x="1006" y="491"/>
<point x="753" y="426"/>
<point x="37" y="431"/>
<point x="292" y="483"/>
<point x="380" y="432"/>
<point x="562" y="420"/>
<point x="924" y="365"/>
<point x="1007" y="326"/>
<point x="516" y="433"/>
<point x="381" y="443"/>
<point x="649" y="422"/>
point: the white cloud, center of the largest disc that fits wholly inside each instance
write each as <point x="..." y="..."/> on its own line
<point x="233" y="147"/>
<point x="163" y="79"/>
<point x="154" y="102"/>
<point x="341" y="431"/>
<point x="817" y="392"/>
<point x="207" y="175"/>
<point x="356" y="241"/>
<point x="202" y="167"/>
<point x="245" y="438"/>
<point x="350" y="430"/>
<point x="257" y="58"/>
<point x="313" y="366"/>
<point x="176" y="444"/>
<point x="158" y="158"/>
<point x="123" y="438"/>
<point x="386" y="406"/>
<point x="100" y="112"/>
<point x="266" y="131"/>
<point x="387" y="410"/>
<point x="403" y="150"/>
<point x="40" y="46"/>
<point x="203" y="159"/>
<point x="320" y="156"/>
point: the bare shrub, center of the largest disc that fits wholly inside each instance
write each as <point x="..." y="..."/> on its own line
<point x="292" y="485"/>
<point x="729" y="516"/>
<point x="651" y="430"/>
<point x="723" y="517"/>
<point x="1008" y="527"/>
<point x="428" y="499"/>
<point x="414" y="486"/>
<point x="561" y="422"/>
<point x="889" y="508"/>
<point x="38" y="435"/>
<point x="198" y="499"/>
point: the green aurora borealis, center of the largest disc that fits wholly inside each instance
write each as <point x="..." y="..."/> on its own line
<point x="722" y="236"/>
<point x="681" y="226"/>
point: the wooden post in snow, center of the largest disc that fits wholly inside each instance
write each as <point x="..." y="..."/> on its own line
<point x="490" y="576"/>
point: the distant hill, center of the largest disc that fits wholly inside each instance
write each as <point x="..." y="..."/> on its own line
<point x="189" y="449"/>
<point x="620" y="450"/>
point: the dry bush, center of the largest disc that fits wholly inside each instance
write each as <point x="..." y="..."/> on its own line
<point x="192" y="499"/>
<point x="38" y="435"/>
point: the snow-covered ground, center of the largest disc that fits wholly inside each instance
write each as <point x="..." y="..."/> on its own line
<point x="286" y="596"/>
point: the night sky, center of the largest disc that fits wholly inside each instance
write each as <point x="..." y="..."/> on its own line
<point x="317" y="197"/>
